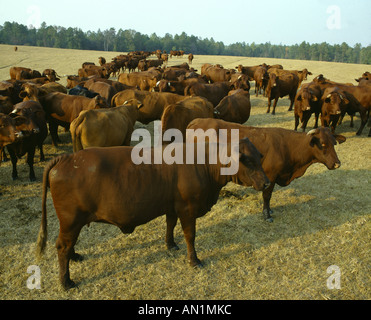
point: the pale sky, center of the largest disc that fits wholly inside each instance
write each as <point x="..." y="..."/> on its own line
<point x="276" y="21"/>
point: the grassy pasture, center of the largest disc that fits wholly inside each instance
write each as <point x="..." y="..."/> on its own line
<point x="321" y="219"/>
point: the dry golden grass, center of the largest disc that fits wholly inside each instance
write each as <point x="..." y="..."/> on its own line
<point x="321" y="219"/>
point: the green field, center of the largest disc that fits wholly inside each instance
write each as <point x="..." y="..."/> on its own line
<point x="320" y="220"/>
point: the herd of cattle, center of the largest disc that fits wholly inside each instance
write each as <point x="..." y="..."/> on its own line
<point x="101" y="112"/>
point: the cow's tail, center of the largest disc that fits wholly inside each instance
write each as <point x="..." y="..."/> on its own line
<point x="43" y="234"/>
<point x="76" y="133"/>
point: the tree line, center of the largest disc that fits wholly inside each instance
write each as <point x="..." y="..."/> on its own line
<point x="130" y="40"/>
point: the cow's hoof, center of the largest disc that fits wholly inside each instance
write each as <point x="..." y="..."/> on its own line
<point x="77" y="257"/>
<point x="196" y="264"/>
<point x="68" y="284"/>
<point x="172" y="247"/>
<point x="267" y="215"/>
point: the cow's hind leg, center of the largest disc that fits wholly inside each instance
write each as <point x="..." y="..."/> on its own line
<point x="65" y="245"/>
<point x="171" y="220"/>
<point x="189" y="228"/>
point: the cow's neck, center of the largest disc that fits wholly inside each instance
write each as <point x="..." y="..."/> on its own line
<point x="302" y="156"/>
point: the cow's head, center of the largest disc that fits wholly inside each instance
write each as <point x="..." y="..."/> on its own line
<point x="322" y="142"/>
<point x="272" y="82"/>
<point x="29" y="91"/>
<point x="250" y="171"/>
<point x="8" y="130"/>
<point x="100" y="102"/>
<point x="306" y="97"/>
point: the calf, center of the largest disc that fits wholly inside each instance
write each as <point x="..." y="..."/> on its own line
<point x="287" y="154"/>
<point x="104" y="185"/>
<point x="235" y="107"/>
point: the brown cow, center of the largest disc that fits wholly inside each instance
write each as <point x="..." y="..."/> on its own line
<point x="190" y="58"/>
<point x="235" y="107"/>
<point x="105" y="185"/>
<point x="8" y="132"/>
<point x="61" y="109"/>
<point x="287" y="154"/>
<point x="105" y="90"/>
<point x="249" y="71"/>
<point x="104" y="127"/>
<point x="30" y="91"/>
<point x="20" y="73"/>
<point x="335" y="103"/>
<point x="27" y="118"/>
<point x="180" y="114"/>
<point x="102" y="61"/>
<point x="261" y="78"/>
<point x="360" y="93"/>
<point x="154" y="103"/>
<point x="307" y="101"/>
<point x="51" y="74"/>
<point x="145" y="80"/>
<point x="240" y="81"/>
<point x="217" y="74"/>
<point x="214" y="92"/>
<point x="280" y="86"/>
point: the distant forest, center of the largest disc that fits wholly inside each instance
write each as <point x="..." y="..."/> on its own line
<point x="131" y="40"/>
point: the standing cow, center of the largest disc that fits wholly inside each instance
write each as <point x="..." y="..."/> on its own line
<point x="104" y="185"/>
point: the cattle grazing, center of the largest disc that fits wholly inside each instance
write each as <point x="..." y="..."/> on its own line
<point x="128" y="195"/>
<point x="180" y="114"/>
<point x="280" y="86"/>
<point x="104" y="127"/>
<point x="235" y="107"/>
<point x="287" y="154"/>
<point x="61" y="109"/>
<point x="15" y="48"/>
<point x="214" y="92"/>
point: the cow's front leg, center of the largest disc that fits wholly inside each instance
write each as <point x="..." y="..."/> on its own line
<point x="267" y="194"/>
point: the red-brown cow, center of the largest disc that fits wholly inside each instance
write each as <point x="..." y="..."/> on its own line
<point x="105" y="185"/>
<point x="287" y="154"/>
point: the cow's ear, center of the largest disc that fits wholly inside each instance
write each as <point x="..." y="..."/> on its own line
<point x="339" y="138"/>
<point x="139" y="105"/>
